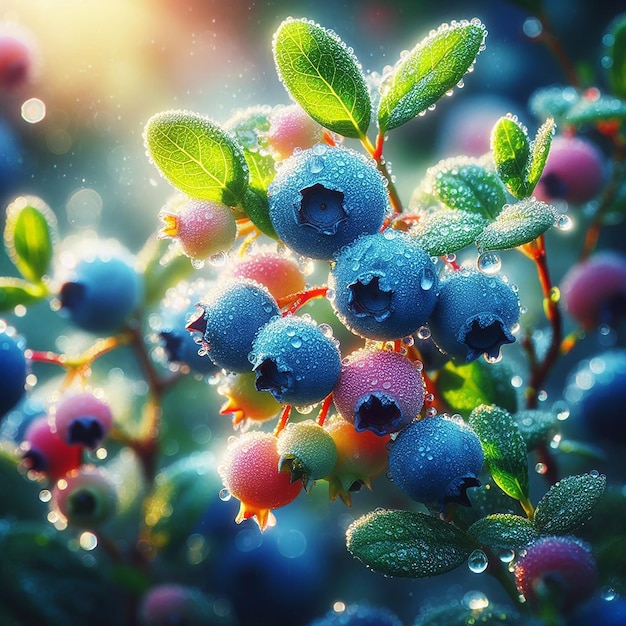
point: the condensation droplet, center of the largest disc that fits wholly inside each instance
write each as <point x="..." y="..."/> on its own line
<point x="477" y="562"/>
<point x="489" y="263"/>
<point x="224" y="495"/>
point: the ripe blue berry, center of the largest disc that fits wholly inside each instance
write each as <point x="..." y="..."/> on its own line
<point x="295" y="361"/>
<point x="12" y="370"/>
<point x="385" y="286"/>
<point x="597" y="389"/>
<point x="435" y="460"/>
<point x="558" y="570"/>
<point x="475" y="314"/>
<point x="232" y="314"/>
<point x="101" y="292"/>
<point x="325" y="197"/>
<point x="600" y="611"/>
<point x="379" y="390"/>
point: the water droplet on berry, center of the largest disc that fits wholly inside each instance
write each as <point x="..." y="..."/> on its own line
<point x="477" y="561"/>
<point x="489" y="263"/>
<point x="315" y="165"/>
<point x="224" y="495"/>
<point x="427" y="280"/>
<point x="198" y="264"/>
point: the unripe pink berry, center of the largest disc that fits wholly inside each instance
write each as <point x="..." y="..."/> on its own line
<point x="17" y="57"/>
<point x="169" y="603"/>
<point x="574" y="171"/>
<point x="557" y="570"/>
<point x="203" y="228"/>
<point x="594" y="291"/>
<point x="82" y="418"/>
<point x="290" y="128"/>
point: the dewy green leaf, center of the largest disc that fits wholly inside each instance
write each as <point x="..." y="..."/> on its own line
<point x="517" y="224"/>
<point x="15" y="292"/>
<point x="407" y="544"/>
<point x="446" y="231"/>
<point x="464" y="183"/>
<point x="616" y="56"/>
<point x="511" y="151"/>
<point x="599" y="109"/>
<point x="569" y="503"/>
<point x="504" y="448"/>
<point x="434" y="67"/>
<point x="457" y="614"/>
<point x="503" y="531"/>
<point x="29" y="235"/>
<point x="323" y="76"/>
<point x="256" y="206"/>
<point x="197" y="156"/>
<point x="539" y="149"/>
<point x="466" y="386"/>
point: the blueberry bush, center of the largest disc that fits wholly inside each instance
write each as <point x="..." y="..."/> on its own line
<point x="309" y="389"/>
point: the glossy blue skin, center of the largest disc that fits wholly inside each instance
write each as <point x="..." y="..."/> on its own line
<point x="474" y="315"/>
<point x="295" y="361"/>
<point x="351" y="189"/>
<point x="435" y="459"/>
<point x="601" y="406"/>
<point x="233" y="314"/>
<point x="395" y="279"/>
<point x="359" y="615"/>
<point x="180" y="345"/>
<point x="101" y="294"/>
<point x="12" y="373"/>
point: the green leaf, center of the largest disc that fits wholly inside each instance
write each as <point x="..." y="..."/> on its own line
<point x="182" y="493"/>
<point x="539" y="149"/>
<point x="429" y="71"/>
<point x="46" y="583"/>
<point x="18" y="496"/>
<point x="257" y="208"/>
<point x="466" y="386"/>
<point x="569" y="503"/>
<point x="616" y="55"/>
<point x="447" y="230"/>
<point x="197" y="156"/>
<point x="538" y="428"/>
<point x="29" y="235"/>
<point x="503" y="531"/>
<point x="15" y="292"/>
<point x="407" y="544"/>
<point x="465" y="184"/>
<point x="504" y="448"/>
<point x="594" y="110"/>
<point x="485" y="500"/>
<point x="323" y="77"/>
<point x="511" y="151"/>
<point x="517" y="224"/>
<point x="457" y="614"/>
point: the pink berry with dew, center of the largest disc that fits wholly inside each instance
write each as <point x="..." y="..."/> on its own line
<point x="379" y="390"/>
<point x="279" y="272"/>
<point x="290" y="128"/>
<point x="83" y="419"/>
<point x="168" y="603"/>
<point x="45" y="453"/>
<point x="557" y="571"/>
<point x="574" y="171"/>
<point x="203" y="228"/>
<point x="250" y="472"/>
<point x="594" y="291"/>
<point x="17" y="57"/>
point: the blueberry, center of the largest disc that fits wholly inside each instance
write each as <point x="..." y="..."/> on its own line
<point x="475" y="314"/>
<point x="102" y="292"/>
<point x="295" y="361"/>
<point x="385" y="286"/>
<point x="379" y="390"/>
<point x="597" y="389"/>
<point x="325" y="197"/>
<point x="232" y="314"/>
<point x="600" y="611"/>
<point x="12" y="372"/>
<point x="435" y="460"/>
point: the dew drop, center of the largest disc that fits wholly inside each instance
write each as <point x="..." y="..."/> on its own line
<point x="608" y="594"/>
<point x="427" y="280"/>
<point x="564" y="222"/>
<point x="475" y="600"/>
<point x="315" y="165"/>
<point x="541" y="468"/>
<point x="477" y="562"/>
<point x="423" y="333"/>
<point x="489" y="263"/>
<point x="224" y="495"/>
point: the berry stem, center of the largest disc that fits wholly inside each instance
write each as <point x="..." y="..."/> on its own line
<point x="284" y="418"/>
<point x="296" y="300"/>
<point x="325" y="408"/>
<point x="376" y="152"/>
